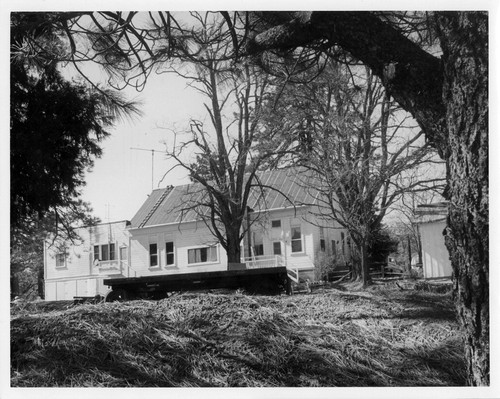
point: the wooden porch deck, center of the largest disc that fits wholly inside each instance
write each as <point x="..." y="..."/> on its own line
<point x="271" y="280"/>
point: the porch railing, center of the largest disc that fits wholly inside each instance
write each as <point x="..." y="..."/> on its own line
<point x="260" y="262"/>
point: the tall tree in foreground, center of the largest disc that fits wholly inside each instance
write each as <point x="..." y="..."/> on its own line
<point x="56" y="125"/>
<point x="448" y="96"/>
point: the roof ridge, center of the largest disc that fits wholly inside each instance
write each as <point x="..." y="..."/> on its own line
<point x="167" y="189"/>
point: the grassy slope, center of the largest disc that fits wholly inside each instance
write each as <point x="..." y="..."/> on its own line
<point x="328" y="338"/>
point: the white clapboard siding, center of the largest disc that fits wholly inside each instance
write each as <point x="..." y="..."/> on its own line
<point x="79" y="276"/>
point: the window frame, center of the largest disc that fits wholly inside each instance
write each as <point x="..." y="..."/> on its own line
<point x="59" y="264"/>
<point x="300" y="239"/>
<point x="154" y="255"/>
<point x="275" y="245"/>
<point x="200" y="248"/>
<point x="322" y="245"/>
<point x="109" y="249"/>
<point x="97" y="254"/>
<point x="171" y="253"/>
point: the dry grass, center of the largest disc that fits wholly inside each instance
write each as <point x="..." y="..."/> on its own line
<point x="383" y="336"/>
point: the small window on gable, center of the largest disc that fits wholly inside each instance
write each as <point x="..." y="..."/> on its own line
<point x="169" y="253"/>
<point x="275" y="223"/>
<point x="60" y="260"/>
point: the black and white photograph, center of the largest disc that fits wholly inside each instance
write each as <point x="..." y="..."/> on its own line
<point x="266" y="202"/>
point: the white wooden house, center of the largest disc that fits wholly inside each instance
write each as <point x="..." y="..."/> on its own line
<point x="165" y="237"/>
<point x="78" y="268"/>
<point x="435" y="256"/>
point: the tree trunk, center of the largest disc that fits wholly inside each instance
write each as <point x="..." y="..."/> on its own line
<point x="408" y="265"/>
<point x="365" y="265"/>
<point x="449" y="99"/>
<point x="233" y="249"/>
<point x="464" y="38"/>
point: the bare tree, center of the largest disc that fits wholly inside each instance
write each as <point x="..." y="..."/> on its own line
<point x="226" y="166"/>
<point x="364" y="151"/>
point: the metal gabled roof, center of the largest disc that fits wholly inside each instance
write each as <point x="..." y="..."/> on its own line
<point x="277" y="189"/>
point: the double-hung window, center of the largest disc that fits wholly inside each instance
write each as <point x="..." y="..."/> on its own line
<point x="61" y="259"/>
<point x="296" y="239"/>
<point x="277" y="248"/>
<point x="169" y="253"/>
<point x="258" y="244"/>
<point x="153" y="255"/>
<point x="202" y="255"/>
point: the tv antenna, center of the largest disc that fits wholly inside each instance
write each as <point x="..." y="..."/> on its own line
<point x="152" y="161"/>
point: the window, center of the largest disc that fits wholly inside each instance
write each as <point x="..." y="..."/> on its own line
<point x="104" y="252"/>
<point x="112" y="252"/>
<point x="277" y="248"/>
<point x="60" y="260"/>
<point x="169" y="251"/>
<point x="153" y="255"/>
<point x="322" y="242"/>
<point x="334" y="248"/>
<point x="258" y="244"/>
<point x="123" y="253"/>
<point x="202" y="255"/>
<point x="296" y="239"/>
<point x="275" y="223"/>
<point x="258" y="250"/>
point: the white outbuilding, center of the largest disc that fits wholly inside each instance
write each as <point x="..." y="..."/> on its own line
<point x="432" y="223"/>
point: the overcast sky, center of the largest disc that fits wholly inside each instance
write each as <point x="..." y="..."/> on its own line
<point x="121" y="179"/>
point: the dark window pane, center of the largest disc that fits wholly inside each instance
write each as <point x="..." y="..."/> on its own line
<point x="277" y="248"/>
<point x="297" y="246"/>
<point x="295" y="233"/>
<point x="153" y="255"/>
<point x="170" y="259"/>
<point x="203" y="253"/>
<point x="258" y="250"/>
<point x="104" y="252"/>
